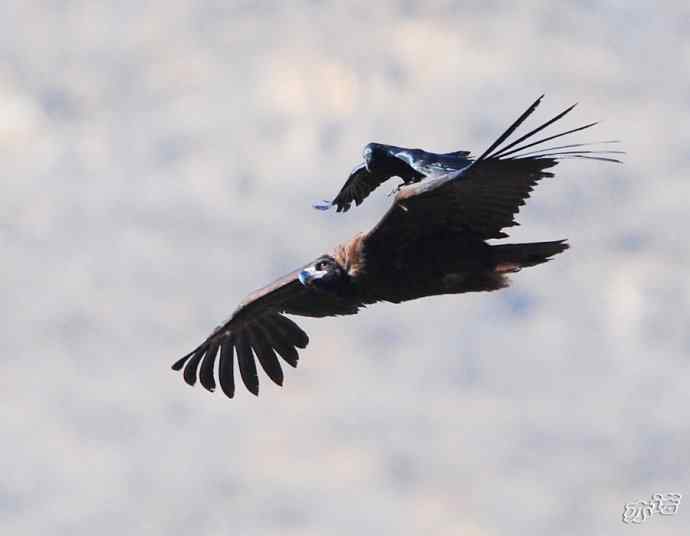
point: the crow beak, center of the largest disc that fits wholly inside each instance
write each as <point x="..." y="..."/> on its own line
<point x="367" y="158"/>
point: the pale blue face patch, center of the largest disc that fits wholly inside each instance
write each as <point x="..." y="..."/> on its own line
<point x="304" y="277"/>
<point x="308" y="275"/>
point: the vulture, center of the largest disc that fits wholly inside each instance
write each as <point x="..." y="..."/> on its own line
<point x="431" y="241"/>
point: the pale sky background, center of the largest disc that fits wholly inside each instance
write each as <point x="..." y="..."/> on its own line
<point x="159" y="160"/>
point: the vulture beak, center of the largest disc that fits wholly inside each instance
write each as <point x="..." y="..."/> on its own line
<point x="307" y="275"/>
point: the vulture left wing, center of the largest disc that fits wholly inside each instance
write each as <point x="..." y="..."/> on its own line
<point x="258" y="328"/>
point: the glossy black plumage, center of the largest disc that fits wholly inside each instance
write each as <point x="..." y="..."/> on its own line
<point x="383" y="162"/>
<point x="431" y="241"/>
<point x="226" y="365"/>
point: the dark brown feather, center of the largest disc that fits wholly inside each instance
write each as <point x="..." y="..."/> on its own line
<point x="280" y="343"/>
<point x="225" y="367"/>
<point x="292" y="331"/>
<point x="510" y="130"/>
<point x="487" y="199"/>
<point x="245" y="359"/>
<point x="206" y="370"/>
<point x="177" y="365"/>
<point x="265" y="354"/>
<point x="190" y="368"/>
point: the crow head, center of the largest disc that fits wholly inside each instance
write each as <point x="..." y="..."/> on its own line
<point x="326" y="275"/>
<point x="385" y="161"/>
<point x="374" y="156"/>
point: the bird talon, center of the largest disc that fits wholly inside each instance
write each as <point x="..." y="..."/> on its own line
<point x="323" y="205"/>
<point x="395" y="190"/>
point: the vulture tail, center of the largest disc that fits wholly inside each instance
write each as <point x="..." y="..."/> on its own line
<point x="513" y="257"/>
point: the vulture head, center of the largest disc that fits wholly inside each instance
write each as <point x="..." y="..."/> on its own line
<point x="326" y="275"/>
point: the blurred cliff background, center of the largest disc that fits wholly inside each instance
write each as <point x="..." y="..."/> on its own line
<point x="159" y="160"/>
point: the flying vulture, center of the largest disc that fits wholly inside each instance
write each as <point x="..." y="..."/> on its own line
<point x="431" y="241"/>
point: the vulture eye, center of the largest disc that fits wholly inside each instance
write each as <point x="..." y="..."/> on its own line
<point x="320" y="265"/>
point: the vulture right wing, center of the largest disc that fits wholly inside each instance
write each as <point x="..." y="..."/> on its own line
<point x="482" y="198"/>
<point x="258" y="328"/>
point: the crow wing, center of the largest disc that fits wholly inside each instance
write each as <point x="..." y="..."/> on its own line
<point x="359" y="185"/>
<point x="258" y="328"/>
<point x="413" y="164"/>
<point x="426" y="163"/>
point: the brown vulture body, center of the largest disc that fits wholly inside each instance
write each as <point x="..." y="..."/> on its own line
<point x="431" y="241"/>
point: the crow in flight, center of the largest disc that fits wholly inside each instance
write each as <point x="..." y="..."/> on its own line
<point x="431" y="241"/>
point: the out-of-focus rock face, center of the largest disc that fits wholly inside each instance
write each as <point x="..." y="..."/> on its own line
<point x="159" y="161"/>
